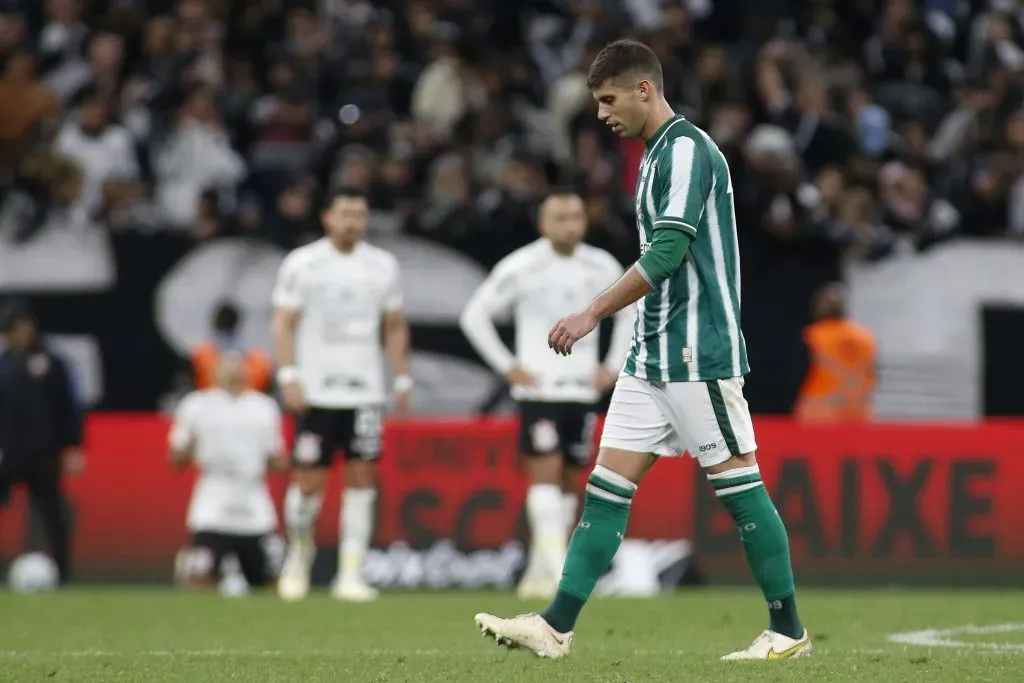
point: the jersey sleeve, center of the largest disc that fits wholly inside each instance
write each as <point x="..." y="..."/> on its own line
<point x="288" y="288"/>
<point x="184" y="426"/>
<point x="393" y="299"/>
<point x="275" y="439"/>
<point x="494" y="297"/>
<point x="684" y="176"/>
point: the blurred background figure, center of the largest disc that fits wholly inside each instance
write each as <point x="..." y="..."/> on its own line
<point x="841" y="379"/>
<point x="225" y="338"/>
<point x="232" y="434"/>
<point x="557" y="400"/>
<point x="40" y="426"/>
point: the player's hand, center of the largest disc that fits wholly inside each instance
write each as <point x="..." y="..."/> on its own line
<point x="570" y="330"/>
<point x="520" y="377"/>
<point x="72" y="461"/>
<point x="294" y="397"/>
<point x="403" y="405"/>
<point x="604" y="380"/>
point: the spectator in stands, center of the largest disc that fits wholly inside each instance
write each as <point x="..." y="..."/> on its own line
<point x="103" y="150"/>
<point x="225" y="338"/>
<point x="25" y="104"/>
<point x="196" y="157"/>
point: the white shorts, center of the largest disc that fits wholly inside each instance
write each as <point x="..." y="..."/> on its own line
<point x="709" y="419"/>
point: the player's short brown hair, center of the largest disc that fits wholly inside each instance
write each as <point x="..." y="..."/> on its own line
<point x="625" y="58"/>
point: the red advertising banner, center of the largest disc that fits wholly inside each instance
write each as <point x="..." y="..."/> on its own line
<point x="862" y="503"/>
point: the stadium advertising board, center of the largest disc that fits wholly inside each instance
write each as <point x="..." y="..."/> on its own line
<point x="879" y="503"/>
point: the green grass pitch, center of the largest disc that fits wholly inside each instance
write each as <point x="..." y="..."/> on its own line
<point x="125" y="634"/>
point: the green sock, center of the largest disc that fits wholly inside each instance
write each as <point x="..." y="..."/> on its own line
<point x="593" y="545"/>
<point x="765" y="543"/>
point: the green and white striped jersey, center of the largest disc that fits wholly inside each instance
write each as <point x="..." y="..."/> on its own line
<point x="688" y="329"/>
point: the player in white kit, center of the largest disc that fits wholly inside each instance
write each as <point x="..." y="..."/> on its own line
<point x="557" y="398"/>
<point x="231" y="434"/>
<point x="331" y="301"/>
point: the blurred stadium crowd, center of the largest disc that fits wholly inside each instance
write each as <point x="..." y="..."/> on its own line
<point x="859" y="126"/>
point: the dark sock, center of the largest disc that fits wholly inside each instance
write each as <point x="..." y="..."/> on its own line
<point x="765" y="543"/>
<point x="593" y="545"/>
<point x="783" y="617"/>
<point x="563" y="611"/>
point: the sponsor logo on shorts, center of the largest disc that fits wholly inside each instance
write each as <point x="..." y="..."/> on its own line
<point x="687" y="354"/>
<point x="307" y="448"/>
<point x="544" y="436"/>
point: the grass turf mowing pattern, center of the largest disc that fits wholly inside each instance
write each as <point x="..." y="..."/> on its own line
<point x="87" y="635"/>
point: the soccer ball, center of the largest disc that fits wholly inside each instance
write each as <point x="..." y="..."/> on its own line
<point x="33" y="573"/>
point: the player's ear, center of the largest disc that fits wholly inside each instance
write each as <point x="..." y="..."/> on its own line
<point x="643" y="90"/>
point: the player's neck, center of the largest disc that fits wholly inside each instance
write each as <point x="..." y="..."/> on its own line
<point x="661" y="114"/>
<point x="566" y="250"/>
<point x="344" y="247"/>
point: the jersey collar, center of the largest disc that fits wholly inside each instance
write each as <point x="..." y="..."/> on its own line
<point x="660" y="133"/>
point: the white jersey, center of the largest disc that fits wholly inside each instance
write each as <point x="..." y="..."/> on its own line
<point x="543" y="286"/>
<point x="233" y="438"/>
<point x="341" y="299"/>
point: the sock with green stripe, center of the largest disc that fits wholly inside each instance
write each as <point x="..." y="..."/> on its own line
<point x="765" y="543"/>
<point x="593" y="545"/>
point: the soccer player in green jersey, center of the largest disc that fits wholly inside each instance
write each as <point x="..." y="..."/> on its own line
<point x="681" y="388"/>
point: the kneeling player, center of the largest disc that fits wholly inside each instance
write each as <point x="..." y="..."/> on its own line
<point x="543" y="281"/>
<point x="231" y="434"/>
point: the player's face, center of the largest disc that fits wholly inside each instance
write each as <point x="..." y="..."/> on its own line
<point x="346" y="218"/>
<point x="564" y="221"/>
<point x="621" y="107"/>
<point x="231" y="372"/>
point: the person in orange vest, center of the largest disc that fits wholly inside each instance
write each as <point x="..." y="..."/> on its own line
<point x="840" y="383"/>
<point x="205" y="356"/>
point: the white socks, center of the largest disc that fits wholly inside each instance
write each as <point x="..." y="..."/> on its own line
<point x="545" y="512"/>
<point x="356" y="526"/>
<point x="300" y="512"/>
<point x="570" y="506"/>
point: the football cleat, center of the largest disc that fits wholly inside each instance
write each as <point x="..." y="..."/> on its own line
<point x="528" y="632"/>
<point x="771" y="645"/>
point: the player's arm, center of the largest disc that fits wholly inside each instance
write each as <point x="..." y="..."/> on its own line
<point x="276" y="459"/>
<point x="181" y="441"/>
<point x="622" y="332"/>
<point x="492" y="298"/>
<point x="287" y="300"/>
<point x="396" y="344"/>
<point x="679" y="209"/>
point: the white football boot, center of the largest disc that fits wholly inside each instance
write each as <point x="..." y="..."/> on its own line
<point x="771" y="645"/>
<point x="353" y="589"/>
<point x="527" y="631"/>
<point x="293" y="584"/>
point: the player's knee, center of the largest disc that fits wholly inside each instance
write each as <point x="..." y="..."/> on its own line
<point x="311" y="481"/>
<point x="733" y="463"/>
<point x="631" y="465"/>
<point x="195" y="568"/>
<point x="361" y="474"/>
<point x="544" y="469"/>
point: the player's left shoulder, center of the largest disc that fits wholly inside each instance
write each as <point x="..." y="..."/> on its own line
<point x="262" y="402"/>
<point x="598" y="258"/>
<point x="379" y="257"/>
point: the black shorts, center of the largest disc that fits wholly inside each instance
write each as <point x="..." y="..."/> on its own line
<point x="566" y="428"/>
<point x="321" y="432"/>
<point x="209" y="548"/>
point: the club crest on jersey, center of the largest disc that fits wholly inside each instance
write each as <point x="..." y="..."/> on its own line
<point x="544" y="436"/>
<point x="307" y="448"/>
<point x="38" y="365"/>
